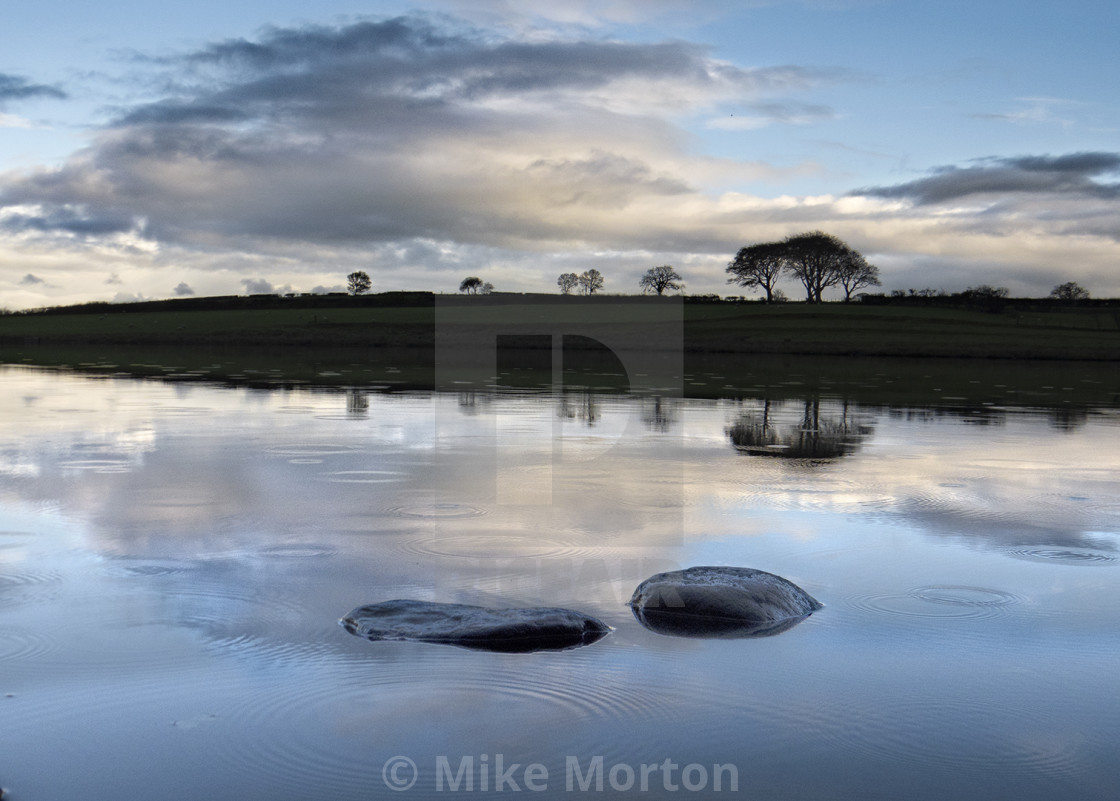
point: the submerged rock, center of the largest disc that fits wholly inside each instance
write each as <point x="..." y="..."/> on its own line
<point x="720" y="602"/>
<point x="478" y="627"/>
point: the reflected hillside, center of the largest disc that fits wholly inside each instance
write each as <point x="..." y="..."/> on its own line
<point x="805" y="429"/>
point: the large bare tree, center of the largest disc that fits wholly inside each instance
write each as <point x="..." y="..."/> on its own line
<point x="758" y="265"/>
<point x="815" y="258"/>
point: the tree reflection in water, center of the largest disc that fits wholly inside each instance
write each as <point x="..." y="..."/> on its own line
<point x="659" y="414"/>
<point x="820" y="433"/>
<point x="579" y="406"/>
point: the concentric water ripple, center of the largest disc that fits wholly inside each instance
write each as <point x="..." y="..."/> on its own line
<point x="296" y="550"/>
<point x="330" y="738"/>
<point x="1083" y="557"/>
<point x="128" y="567"/>
<point x="364" y="476"/>
<point x="952" y="732"/>
<point x="938" y="601"/>
<point x="229" y="608"/>
<point x="28" y="585"/>
<point x="20" y="645"/>
<point x="436" y="511"/>
<point x="313" y="449"/>
<point x="483" y="546"/>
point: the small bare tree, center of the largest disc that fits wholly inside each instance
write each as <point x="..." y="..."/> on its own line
<point x="591" y="281"/>
<point x="856" y="273"/>
<point x="658" y="279"/>
<point x="358" y="283"/>
<point x="567" y="282"/>
<point x="1071" y="291"/>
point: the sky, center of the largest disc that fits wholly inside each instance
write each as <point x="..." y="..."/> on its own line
<point x="164" y="150"/>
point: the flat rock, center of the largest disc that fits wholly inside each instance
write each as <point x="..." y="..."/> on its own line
<point x="727" y="602"/>
<point x="478" y="627"/>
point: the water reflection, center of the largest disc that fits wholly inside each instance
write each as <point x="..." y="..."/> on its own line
<point x="822" y="430"/>
<point x="659" y="413"/>
<point x="210" y="537"/>
<point x="582" y="406"/>
<point x="357" y="403"/>
<point x="673" y="624"/>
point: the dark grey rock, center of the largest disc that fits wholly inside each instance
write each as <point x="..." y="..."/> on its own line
<point x="481" y="628"/>
<point x="727" y="602"/>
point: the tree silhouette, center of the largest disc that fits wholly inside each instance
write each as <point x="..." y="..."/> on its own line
<point x="472" y="285"/>
<point x="758" y="265"/>
<point x="1071" y="291"/>
<point x="658" y="279"/>
<point x="816" y="259"/>
<point x="567" y="282"/>
<point x="856" y="273"/>
<point x="358" y="283"/>
<point x="591" y="281"/>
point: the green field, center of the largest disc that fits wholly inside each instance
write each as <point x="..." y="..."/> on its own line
<point x="1017" y="332"/>
<point x="914" y="331"/>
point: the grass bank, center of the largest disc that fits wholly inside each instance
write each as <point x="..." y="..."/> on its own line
<point x="410" y="320"/>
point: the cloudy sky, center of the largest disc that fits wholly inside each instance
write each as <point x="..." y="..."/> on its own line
<point x="161" y="150"/>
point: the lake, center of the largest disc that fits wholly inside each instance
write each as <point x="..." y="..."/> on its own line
<point x="175" y="556"/>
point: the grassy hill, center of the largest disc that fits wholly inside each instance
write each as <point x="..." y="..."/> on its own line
<point x="1018" y="329"/>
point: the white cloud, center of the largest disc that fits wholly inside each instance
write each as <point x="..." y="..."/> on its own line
<point x="422" y="152"/>
<point x="14" y="121"/>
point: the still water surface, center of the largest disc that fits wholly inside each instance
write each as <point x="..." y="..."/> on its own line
<point x="174" y="559"/>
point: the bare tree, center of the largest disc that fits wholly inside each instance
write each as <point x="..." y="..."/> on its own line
<point x="758" y="265"/>
<point x="567" y="282"/>
<point x="486" y="288"/>
<point x="816" y="259"/>
<point x="471" y="285"/>
<point x="591" y="281"/>
<point x="1071" y="291"/>
<point x="658" y="279"/>
<point x="856" y="273"/>
<point x="358" y="283"/>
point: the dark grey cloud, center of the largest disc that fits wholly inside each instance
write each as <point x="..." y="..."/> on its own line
<point x="410" y="56"/>
<point x="69" y="220"/>
<point x="1075" y="174"/>
<point x="31" y="280"/>
<point x="391" y="131"/>
<point x="15" y="87"/>
<point x="182" y="290"/>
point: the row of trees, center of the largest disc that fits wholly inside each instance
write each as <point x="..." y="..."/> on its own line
<point x="656" y="279"/>
<point x="359" y="282"/>
<point x="817" y="259"/>
<point x="588" y="283"/>
<point x="473" y="285"/>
